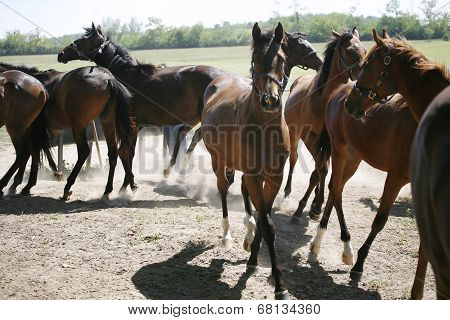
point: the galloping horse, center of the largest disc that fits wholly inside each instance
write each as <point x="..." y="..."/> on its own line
<point x="76" y="99"/>
<point x="391" y="66"/>
<point x="162" y="96"/>
<point x="22" y="99"/>
<point x="243" y="128"/>
<point x="300" y="53"/>
<point x="383" y="140"/>
<point x="305" y="109"/>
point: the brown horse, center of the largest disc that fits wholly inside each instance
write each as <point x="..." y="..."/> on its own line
<point x="300" y="53"/>
<point x="430" y="185"/>
<point x="243" y="128"/>
<point x="393" y="65"/>
<point x="76" y="99"/>
<point x="162" y="96"/>
<point x="383" y="140"/>
<point x="22" y="99"/>
<point x="305" y="109"/>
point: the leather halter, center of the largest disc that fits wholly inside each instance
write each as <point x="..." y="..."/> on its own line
<point x="384" y="76"/>
<point x="91" y="54"/>
<point x="349" y="67"/>
<point x="260" y="75"/>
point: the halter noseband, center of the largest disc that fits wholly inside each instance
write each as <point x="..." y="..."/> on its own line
<point x="91" y="54"/>
<point x="260" y="75"/>
<point x="384" y="76"/>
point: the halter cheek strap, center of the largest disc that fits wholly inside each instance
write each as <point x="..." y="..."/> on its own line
<point x="92" y="54"/>
<point x="384" y="78"/>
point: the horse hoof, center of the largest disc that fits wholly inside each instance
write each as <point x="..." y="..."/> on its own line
<point x="105" y="197"/>
<point x="283" y="295"/>
<point x="347" y="259"/>
<point x="25" y="192"/>
<point x="314" y="248"/>
<point x="58" y="175"/>
<point x="166" y="172"/>
<point x="247" y="246"/>
<point x="356" y="275"/>
<point x="66" y="196"/>
<point x="295" y="220"/>
<point x="227" y="243"/>
<point x="134" y="188"/>
<point x="314" y="216"/>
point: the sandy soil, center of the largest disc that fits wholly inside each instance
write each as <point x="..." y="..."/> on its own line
<point x="164" y="242"/>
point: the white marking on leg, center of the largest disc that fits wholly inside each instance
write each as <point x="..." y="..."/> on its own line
<point x="250" y="223"/>
<point x="227" y="240"/>
<point x="347" y="255"/>
<point x="315" y="245"/>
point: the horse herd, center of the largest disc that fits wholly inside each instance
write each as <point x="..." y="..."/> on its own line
<point x="382" y="117"/>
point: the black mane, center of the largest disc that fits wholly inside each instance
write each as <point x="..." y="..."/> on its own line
<point x="328" y="58"/>
<point x="28" y="70"/>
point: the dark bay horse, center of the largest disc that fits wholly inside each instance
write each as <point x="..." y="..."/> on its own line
<point x="243" y="128"/>
<point x="22" y="99"/>
<point x="305" y="109"/>
<point x="300" y="53"/>
<point x="430" y="184"/>
<point x="78" y="97"/>
<point x="383" y="140"/>
<point x="162" y="96"/>
<point x="393" y="65"/>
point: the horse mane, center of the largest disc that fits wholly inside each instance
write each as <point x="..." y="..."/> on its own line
<point x="417" y="64"/>
<point x="28" y="70"/>
<point x="328" y="54"/>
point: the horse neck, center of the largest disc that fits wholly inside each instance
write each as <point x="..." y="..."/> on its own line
<point x="110" y="60"/>
<point x="335" y="78"/>
<point x="421" y="92"/>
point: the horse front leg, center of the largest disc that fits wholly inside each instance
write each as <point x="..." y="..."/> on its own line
<point x="182" y="132"/>
<point x="263" y="199"/>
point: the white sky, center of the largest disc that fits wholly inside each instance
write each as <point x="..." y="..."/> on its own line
<point x="60" y="17"/>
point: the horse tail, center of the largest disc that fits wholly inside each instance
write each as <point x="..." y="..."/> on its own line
<point x="323" y="145"/>
<point x="41" y="137"/>
<point x="125" y="124"/>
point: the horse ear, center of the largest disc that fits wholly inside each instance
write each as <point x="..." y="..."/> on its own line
<point x="94" y="29"/>
<point x="376" y="37"/>
<point x="335" y="34"/>
<point x="99" y="29"/>
<point x="256" y="32"/>
<point x="355" y="32"/>
<point x="385" y="34"/>
<point x="279" y="32"/>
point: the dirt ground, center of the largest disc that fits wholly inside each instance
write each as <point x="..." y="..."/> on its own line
<point x="164" y="242"/>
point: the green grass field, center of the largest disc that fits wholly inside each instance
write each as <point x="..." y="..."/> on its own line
<point x="232" y="59"/>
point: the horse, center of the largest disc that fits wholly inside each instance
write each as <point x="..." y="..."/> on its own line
<point x="393" y="65"/>
<point x="78" y="97"/>
<point x="430" y="185"/>
<point x="22" y="100"/>
<point x="305" y="110"/>
<point x="162" y="96"/>
<point x="300" y="54"/>
<point x="383" y="140"/>
<point x="243" y="129"/>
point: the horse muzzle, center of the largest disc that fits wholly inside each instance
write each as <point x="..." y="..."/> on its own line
<point x="270" y="103"/>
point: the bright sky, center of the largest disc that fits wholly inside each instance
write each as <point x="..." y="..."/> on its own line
<point x="61" y="17"/>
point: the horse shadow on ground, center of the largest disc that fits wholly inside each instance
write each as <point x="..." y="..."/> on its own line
<point x="19" y="205"/>
<point x="176" y="278"/>
<point x="402" y="208"/>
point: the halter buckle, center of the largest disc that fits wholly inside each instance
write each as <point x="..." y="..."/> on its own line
<point x="387" y="60"/>
<point x="371" y="95"/>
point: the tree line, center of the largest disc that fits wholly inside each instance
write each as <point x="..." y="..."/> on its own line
<point x="154" y="34"/>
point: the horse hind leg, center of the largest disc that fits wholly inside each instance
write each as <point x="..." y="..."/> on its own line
<point x="83" y="152"/>
<point x="127" y="163"/>
<point x="249" y="220"/>
<point x="18" y="178"/>
<point x="182" y="131"/>
<point x="195" y="140"/>
<point x="20" y="161"/>
<point x="313" y="181"/>
<point x="316" y="206"/>
<point x="419" y="279"/>
<point x="32" y="180"/>
<point x="293" y="157"/>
